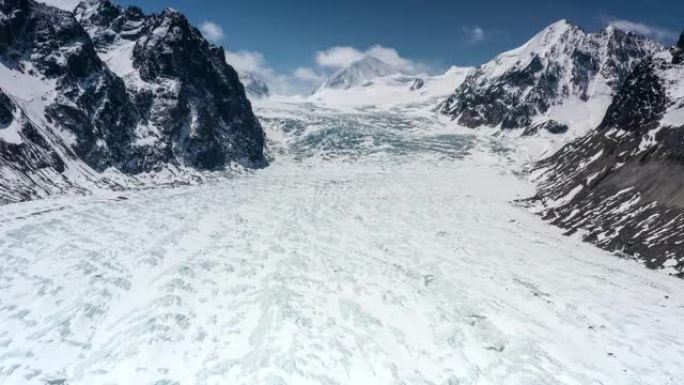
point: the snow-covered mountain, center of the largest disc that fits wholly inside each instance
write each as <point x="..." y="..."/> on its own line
<point x="622" y="183"/>
<point x="394" y="90"/>
<point x="255" y="86"/>
<point x="359" y="73"/>
<point x="562" y="78"/>
<point x="112" y="88"/>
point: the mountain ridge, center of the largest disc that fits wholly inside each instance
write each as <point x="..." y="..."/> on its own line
<point x="86" y="105"/>
<point x="561" y="69"/>
<point x="621" y="183"/>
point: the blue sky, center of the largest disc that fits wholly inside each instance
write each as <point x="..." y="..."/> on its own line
<point x="282" y="38"/>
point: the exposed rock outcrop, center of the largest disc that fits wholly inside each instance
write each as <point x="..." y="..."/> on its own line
<point x="562" y="74"/>
<point x="621" y="183"/>
<point x="107" y="87"/>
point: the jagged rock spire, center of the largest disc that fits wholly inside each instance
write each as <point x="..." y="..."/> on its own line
<point x="678" y="51"/>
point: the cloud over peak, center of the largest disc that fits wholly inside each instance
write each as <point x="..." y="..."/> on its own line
<point x="660" y="34"/>
<point x="300" y="81"/>
<point x="248" y="61"/>
<point x="336" y="58"/>
<point x="212" y="31"/>
<point x="306" y="78"/>
<point x="307" y="74"/>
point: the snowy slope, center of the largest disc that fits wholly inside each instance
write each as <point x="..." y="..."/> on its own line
<point x="379" y="248"/>
<point x="562" y="79"/>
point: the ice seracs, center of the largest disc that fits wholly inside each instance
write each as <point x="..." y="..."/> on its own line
<point x="374" y="250"/>
<point x="563" y="78"/>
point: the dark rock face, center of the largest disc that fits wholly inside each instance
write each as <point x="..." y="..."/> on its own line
<point x="640" y="102"/>
<point x="92" y="103"/>
<point x="185" y="86"/>
<point x="561" y="63"/>
<point x="678" y="51"/>
<point x="622" y="183"/>
<point x="550" y="126"/>
<point x="78" y="98"/>
<point x="29" y="163"/>
<point x="170" y="99"/>
<point x="417" y="84"/>
<point x="6" y="110"/>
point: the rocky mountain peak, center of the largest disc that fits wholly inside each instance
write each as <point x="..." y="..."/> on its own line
<point x="105" y="21"/>
<point x="678" y="50"/>
<point x="555" y="32"/>
<point x="417" y="84"/>
<point x="97" y="10"/>
<point x="640" y="102"/>
<point x="164" y="54"/>
<point x="173" y="13"/>
<point x="560" y="65"/>
<point x="120" y="89"/>
<point x="50" y="38"/>
<point x="360" y="72"/>
<point x="624" y="176"/>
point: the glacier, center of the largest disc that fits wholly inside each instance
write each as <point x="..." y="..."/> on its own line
<point x="380" y="247"/>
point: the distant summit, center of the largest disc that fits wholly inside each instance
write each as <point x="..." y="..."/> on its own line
<point x="360" y="73"/>
<point x="255" y="86"/>
<point x="394" y="89"/>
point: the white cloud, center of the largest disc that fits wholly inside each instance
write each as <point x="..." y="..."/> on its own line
<point x="391" y="56"/>
<point x="305" y="79"/>
<point x="212" y="31"/>
<point x="248" y="61"/>
<point x="658" y="33"/>
<point x="307" y="74"/>
<point x="474" y="34"/>
<point x="301" y="81"/>
<point x="339" y="57"/>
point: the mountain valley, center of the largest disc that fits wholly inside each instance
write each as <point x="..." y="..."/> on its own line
<point x="168" y="220"/>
